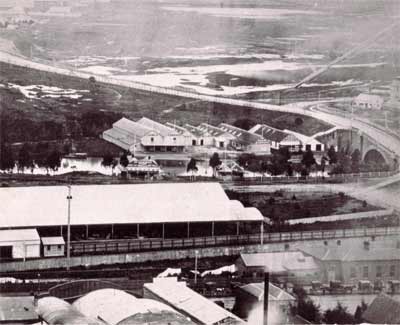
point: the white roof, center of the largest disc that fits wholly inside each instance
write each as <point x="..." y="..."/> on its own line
<point x="277" y="262"/>
<point x="132" y="127"/>
<point x="113" y="306"/>
<point x="160" y="128"/>
<point x="188" y="301"/>
<point x="120" y="204"/>
<point x="19" y="235"/>
<point x="369" y="98"/>
<point x="53" y="240"/>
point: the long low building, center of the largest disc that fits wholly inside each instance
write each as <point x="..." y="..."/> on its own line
<point x="188" y="302"/>
<point x="166" y="210"/>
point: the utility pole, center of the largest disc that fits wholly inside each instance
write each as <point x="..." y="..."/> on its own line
<point x="195" y="266"/>
<point x="69" y="198"/>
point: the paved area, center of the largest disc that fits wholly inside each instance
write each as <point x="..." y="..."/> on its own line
<point x="17" y="309"/>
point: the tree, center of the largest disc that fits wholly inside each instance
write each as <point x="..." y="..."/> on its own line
<point x="6" y="158"/>
<point x="338" y="315"/>
<point x="306" y="307"/>
<point x="24" y="158"/>
<point x="53" y="160"/>
<point x="308" y="159"/>
<point x="123" y="160"/>
<point x="332" y="155"/>
<point x="215" y="162"/>
<point x="360" y="311"/>
<point x="108" y="160"/>
<point x="191" y="167"/>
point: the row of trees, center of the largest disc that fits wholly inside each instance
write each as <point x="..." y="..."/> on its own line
<point x="310" y="311"/>
<point x="26" y="160"/>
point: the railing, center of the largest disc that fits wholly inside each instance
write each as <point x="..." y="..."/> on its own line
<point x="155" y="244"/>
<point x="337" y="178"/>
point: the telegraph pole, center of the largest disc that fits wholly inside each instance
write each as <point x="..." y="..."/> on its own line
<point x="69" y="198"/>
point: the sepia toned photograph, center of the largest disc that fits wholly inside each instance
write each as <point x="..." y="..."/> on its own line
<point x="199" y="162"/>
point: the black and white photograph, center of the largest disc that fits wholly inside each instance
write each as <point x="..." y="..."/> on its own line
<point x="199" y="162"/>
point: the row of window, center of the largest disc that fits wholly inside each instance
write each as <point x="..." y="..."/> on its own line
<point x="379" y="272"/>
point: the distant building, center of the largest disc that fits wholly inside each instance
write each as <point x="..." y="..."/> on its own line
<point x="200" y="137"/>
<point x="221" y="138"/>
<point x="287" y="266"/>
<point x="368" y="101"/>
<point x="144" y="134"/>
<point x="188" y="302"/>
<point x="19" y="243"/>
<point x="278" y="138"/>
<point x="249" y="303"/>
<point x="353" y="262"/>
<point x="383" y="310"/>
<point x="247" y="141"/>
<point x="53" y="246"/>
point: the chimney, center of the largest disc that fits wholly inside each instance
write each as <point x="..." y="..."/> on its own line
<point x="266" y="296"/>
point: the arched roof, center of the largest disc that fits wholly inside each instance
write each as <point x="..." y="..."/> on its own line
<point x="57" y="311"/>
<point x="103" y="303"/>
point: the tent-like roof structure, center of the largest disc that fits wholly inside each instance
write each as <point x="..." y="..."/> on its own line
<point x="189" y="302"/>
<point x="117" y="307"/>
<point x="121" y="204"/>
<point x="383" y="310"/>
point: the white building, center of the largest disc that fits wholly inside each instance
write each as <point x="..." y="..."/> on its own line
<point x="145" y="134"/>
<point x="247" y="141"/>
<point x="367" y="101"/>
<point x="221" y="139"/>
<point x="19" y="243"/>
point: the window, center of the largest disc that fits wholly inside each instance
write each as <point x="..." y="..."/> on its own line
<point x="353" y="272"/>
<point x="221" y="144"/>
<point x="174" y="139"/>
<point x="59" y="246"/>
<point x="392" y="271"/>
<point x="48" y="247"/>
<point x="379" y="271"/>
<point x="318" y="147"/>
<point x="202" y="142"/>
<point x="152" y="139"/>
<point x="308" y="147"/>
<point x="365" y="272"/>
<point x="193" y="142"/>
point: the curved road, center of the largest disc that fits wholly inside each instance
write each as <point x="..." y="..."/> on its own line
<point x="387" y="140"/>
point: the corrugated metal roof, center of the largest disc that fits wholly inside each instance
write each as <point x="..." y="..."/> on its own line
<point x="53" y="240"/>
<point x="241" y="135"/>
<point x="158" y="127"/>
<point x="273" y="134"/>
<point x="113" y="305"/>
<point x="14" y="235"/>
<point x="120" y="204"/>
<point x="184" y="299"/>
<point x="215" y="131"/>
<point x="132" y="127"/>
